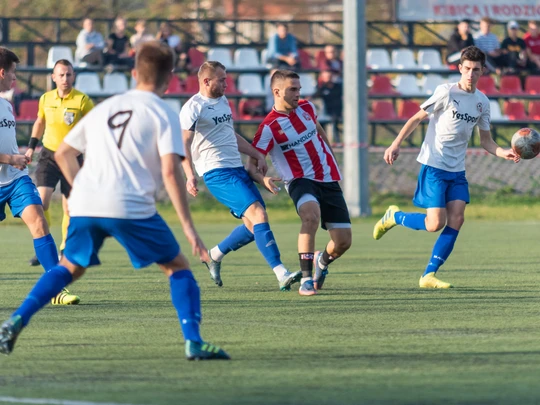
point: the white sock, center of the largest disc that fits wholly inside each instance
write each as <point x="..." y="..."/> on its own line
<point x="305" y="279"/>
<point x="216" y="254"/>
<point x="280" y="271"/>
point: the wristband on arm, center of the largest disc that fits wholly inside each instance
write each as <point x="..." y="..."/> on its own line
<point x="33" y="143"/>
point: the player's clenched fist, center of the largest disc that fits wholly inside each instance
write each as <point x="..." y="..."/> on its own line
<point x="391" y="154"/>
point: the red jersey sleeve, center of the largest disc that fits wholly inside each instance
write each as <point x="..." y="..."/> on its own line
<point x="264" y="140"/>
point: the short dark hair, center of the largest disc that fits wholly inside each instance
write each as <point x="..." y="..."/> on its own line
<point x="210" y="66"/>
<point x="486" y="19"/>
<point x="282" y="74"/>
<point x="282" y="24"/>
<point x="154" y="63"/>
<point x="63" y="62"/>
<point x="7" y="58"/>
<point x="473" y="54"/>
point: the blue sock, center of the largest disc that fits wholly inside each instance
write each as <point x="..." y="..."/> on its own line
<point x="413" y="220"/>
<point x="266" y="243"/>
<point x="186" y="298"/>
<point x="240" y="236"/>
<point x="442" y="249"/>
<point x="46" y="251"/>
<point x="47" y="287"/>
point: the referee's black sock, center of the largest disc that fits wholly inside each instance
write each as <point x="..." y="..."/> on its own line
<point x="306" y="264"/>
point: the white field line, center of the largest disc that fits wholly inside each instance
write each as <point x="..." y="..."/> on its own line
<point x="46" y="401"/>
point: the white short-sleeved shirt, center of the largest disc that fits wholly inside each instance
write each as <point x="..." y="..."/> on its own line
<point x="8" y="144"/>
<point x="214" y="145"/>
<point x="453" y="114"/>
<point x="123" y="139"/>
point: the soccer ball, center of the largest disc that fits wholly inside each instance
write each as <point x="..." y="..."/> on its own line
<point x="526" y="143"/>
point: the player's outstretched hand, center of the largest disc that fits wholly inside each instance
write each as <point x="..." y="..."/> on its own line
<point x="197" y="245"/>
<point x="391" y="154"/>
<point x="270" y="185"/>
<point x="18" y="161"/>
<point x="29" y="153"/>
<point x="509" y="154"/>
<point x="191" y="186"/>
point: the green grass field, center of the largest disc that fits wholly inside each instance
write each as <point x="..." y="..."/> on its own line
<point x="370" y="337"/>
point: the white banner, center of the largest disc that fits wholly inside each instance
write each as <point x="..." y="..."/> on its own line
<point x="449" y="10"/>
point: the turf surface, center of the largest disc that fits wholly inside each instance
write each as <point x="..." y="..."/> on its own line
<point x="371" y="336"/>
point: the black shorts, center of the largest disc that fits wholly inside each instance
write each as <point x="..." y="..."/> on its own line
<point x="330" y="198"/>
<point x="48" y="174"/>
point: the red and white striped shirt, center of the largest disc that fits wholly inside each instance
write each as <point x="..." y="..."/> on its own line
<point x="296" y="148"/>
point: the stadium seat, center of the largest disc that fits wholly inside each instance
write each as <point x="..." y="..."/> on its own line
<point x="263" y="57"/>
<point x="191" y="85"/>
<point x="486" y="84"/>
<point x="382" y="110"/>
<point x="246" y="58"/>
<point x="514" y="110"/>
<point x="403" y="59"/>
<point x="28" y="110"/>
<point x="231" y="86"/>
<point x="250" y="83"/>
<point x="320" y="60"/>
<point x="406" y="84"/>
<point x="510" y="85"/>
<point x="234" y="110"/>
<point x="381" y="86"/>
<point x="532" y="85"/>
<point x="175" y="86"/>
<point x="407" y="109"/>
<point x="58" y="52"/>
<point x="305" y="59"/>
<point x="429" y="59"/>
<point x="250" y="109"/>
<point x="495" y="110"/>
<point x="534" y="110"/>
<point x="174" y="103"/>
<point x="88" y="82"/>
<point x="222" y="55"/>
<point x="196" y="58"/>
<point x="308" y="83"/>
<point x="115" y="83"/>
<point x="431" y="81"/>
<point x="378" y="59"/>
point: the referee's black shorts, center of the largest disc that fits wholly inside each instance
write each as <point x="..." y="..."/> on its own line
<point x="48" y="173"/>
<point x="329" y="196"/>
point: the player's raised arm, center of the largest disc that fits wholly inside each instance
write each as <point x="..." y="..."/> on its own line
<point x="392" y="153"/>
<point x="487" y="142"/>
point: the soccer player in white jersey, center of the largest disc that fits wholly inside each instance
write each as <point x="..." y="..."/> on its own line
<point x="300" y="152"/>
<point x="131" y="144"/>
<point x="16" y="187"/>
<point x="214" y="148"/>
<point x="453" y="110"/>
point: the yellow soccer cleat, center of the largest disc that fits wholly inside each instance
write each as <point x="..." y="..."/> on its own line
<point x="430" y="281"/>
<point x="386" y="223"/>
<point x="65" y="298"/>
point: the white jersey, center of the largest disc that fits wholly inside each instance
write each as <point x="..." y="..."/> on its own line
<point x="453" y="113"/>
<point x="123" y="139"/>
<point x="214" y="145"/>
<point x="8" y="144"/>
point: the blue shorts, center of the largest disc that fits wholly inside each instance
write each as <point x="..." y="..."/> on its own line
<point x="233" y="188"/>
<point x="18" y="195"/>
<point x="437" y="187"/>
<point x="146" y="241"/>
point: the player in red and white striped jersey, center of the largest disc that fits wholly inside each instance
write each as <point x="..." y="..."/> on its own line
<point x="300" y="152"/>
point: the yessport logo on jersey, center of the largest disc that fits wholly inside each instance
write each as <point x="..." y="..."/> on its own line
<point x="223" y="118"/>
<point x="465" y="117"/>
<point x="5" y="123"/>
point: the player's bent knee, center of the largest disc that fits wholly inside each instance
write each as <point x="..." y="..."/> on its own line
<point x="180" y="262"/>
<point x="256" y="213"/>
<point x="434" y="226"/>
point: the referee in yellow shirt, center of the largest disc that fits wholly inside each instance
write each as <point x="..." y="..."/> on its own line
<point x="59" y="111"/>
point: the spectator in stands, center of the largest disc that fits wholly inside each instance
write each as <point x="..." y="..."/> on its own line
<point x="460" y="39"/>
<point x="282" y="52"/>
<point x="332" y="62"/>
<point x="532" y="40"/>
<point x="489" y="44"/>
<point x="165" y="35"/>
<point x="515" y="50"/>
<point x="117" y="51"/>
<point x="90" y="45"/>
<point x="140" y="36"/>
<point x="330" y="89"/>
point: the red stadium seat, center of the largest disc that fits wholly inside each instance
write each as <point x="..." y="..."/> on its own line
<point x="382" y="86"/>
<point x="305" y="59"/>
<point x="191" y="85"/>
<point x="534" y="110"/>
<point x="320" y="59"/>
<point x="250" y="109"/>
<point x="234" y="111"/>
<point x="196" y="58"/>
<point x="175" y="86"/>
<point x="28" y="110"/>
<point x="407" y="109"/>
<point x="382" y="110"/>
<point x="515" y="110"/>
<point x="510" y="85"/>
<point x="231" y="86"/>
<point x="532" y="85"/>
<point x="486" y="84"/>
